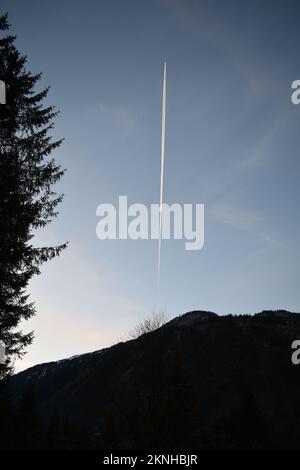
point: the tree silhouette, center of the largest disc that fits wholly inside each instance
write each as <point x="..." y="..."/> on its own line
<point x="27" y="200"/>
<point x="28" y="432"/>
<point x="148" y="324"/>
<point x="7" y="417"/>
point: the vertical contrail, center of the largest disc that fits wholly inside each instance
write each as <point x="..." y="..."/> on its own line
<point x="163" y="137"/>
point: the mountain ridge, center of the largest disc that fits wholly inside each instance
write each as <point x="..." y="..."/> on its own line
<point x="196" y="373"/>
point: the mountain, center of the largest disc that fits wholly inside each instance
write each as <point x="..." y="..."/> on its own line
<point x="200" y="381"/>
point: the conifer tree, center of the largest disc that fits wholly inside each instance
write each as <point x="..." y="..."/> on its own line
<point x="27" y="199"/>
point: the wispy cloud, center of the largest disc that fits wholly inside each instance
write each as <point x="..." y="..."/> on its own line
<point x="120" y="117"/>
<point x="263" y="148"/>
<point x="243" y="219"/>
<point x="238" y="217"/>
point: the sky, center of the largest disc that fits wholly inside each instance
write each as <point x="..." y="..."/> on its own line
<point x="232" y="140"/>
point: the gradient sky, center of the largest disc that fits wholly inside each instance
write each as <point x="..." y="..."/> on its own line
<point x="232" y="143"/>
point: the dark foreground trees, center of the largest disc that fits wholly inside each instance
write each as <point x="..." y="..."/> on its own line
<point x="27" y="199"/>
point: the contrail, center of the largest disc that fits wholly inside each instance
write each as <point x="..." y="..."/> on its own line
<point x="163" y="138"/>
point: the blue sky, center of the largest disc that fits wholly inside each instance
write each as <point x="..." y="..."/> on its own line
<point x="232" y="144"/>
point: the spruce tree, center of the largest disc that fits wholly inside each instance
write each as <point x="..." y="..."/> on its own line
<point x="27" y="199"/>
